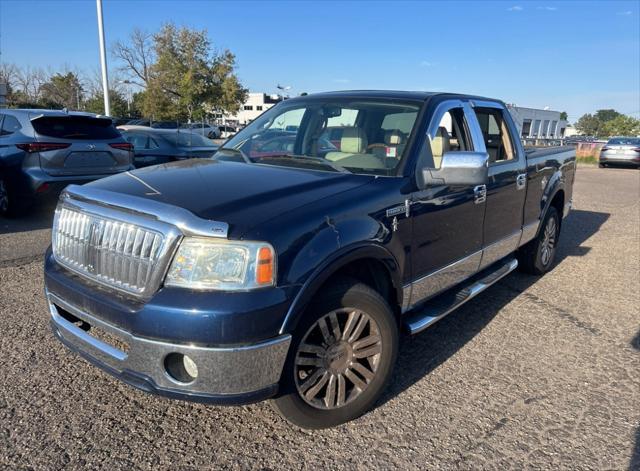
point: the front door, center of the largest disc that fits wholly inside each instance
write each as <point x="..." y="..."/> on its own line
<point x="506" y="185"/>
<point x="447" y="220"/>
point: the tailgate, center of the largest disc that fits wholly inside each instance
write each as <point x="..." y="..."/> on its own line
<point x="87" y="145"/>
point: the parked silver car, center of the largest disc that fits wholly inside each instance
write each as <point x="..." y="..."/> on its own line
<point x="204" y="129"/>
<point x="621" y="150"/>
<point x="42" y="151"/>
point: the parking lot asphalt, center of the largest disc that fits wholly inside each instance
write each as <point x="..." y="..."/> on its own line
<point x="533" y="373"/>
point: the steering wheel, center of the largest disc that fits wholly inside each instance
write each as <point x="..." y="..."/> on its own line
<point x="376" y="146"/>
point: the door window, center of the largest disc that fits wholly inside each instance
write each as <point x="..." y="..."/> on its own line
<point x="9" y="125"/>
<point x="495" y="134"/>
<point x="451" y="135"/>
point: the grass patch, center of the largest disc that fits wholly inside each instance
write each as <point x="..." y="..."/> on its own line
<point x="587" y="160"/>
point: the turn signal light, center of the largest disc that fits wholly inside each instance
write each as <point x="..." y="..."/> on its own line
<point x="264" y="270"/>
<point x="42" y="146"/>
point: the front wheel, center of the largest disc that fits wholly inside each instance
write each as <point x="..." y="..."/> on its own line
<point x="537" y="256"/>
<point x="341" y="357"/>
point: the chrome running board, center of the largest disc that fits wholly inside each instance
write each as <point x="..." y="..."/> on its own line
<point x="438" y="307"/>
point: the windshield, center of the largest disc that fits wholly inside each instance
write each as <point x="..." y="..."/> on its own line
<point x="188" y="139"/>
<point x="624" y="141"/>
<point x="368" y="136"/>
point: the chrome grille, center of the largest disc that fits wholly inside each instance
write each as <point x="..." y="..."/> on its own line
<point x="115" y="253"/>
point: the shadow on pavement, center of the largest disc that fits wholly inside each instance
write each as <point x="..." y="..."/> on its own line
<point x="38" y="217"/>
<point x="421" y="354"/>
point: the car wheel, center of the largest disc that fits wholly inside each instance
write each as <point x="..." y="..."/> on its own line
<point x="537" y="256"/>
<point x="341" y="357"/>
<point x="601" y="165"/>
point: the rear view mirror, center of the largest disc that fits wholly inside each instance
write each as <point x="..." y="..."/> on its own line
<point x="457" y="168"/>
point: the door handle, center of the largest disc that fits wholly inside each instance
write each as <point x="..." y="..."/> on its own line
<point x="521" y="181"/>
<point x="480" y="194"/>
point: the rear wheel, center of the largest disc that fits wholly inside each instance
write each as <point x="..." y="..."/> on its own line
<point x="341" y="358"/>
<point x="601" y="165"/>
<point x="537" y="256"/>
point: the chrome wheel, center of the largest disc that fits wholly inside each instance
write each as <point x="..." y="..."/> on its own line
<point x="548" y="242"/>
<point x="4" y="197"/>
<point x="337" y="358"/>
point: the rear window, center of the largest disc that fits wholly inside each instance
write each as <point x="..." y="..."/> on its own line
<point x="188" y="139"/>
<point x="75" y="127"/>
<point x="624" y="141"/>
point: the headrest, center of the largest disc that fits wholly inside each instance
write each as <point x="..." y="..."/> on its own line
<point x="393" y="137"/>
<point x="440" y="143"/>
<point x="353" y="141"/>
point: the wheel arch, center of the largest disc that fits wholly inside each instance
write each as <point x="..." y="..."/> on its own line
<point x="371" y="264"/>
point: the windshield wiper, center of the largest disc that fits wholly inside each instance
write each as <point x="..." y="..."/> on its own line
<point x="309" y="158"/>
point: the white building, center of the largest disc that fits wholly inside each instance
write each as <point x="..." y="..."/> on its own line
<point x="538" y="124"/>
<point x="255" y="105"/>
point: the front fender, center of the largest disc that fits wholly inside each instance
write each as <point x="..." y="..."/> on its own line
<point x="333" y="247"/>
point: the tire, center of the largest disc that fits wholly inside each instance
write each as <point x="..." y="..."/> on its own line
<point x="326" y="383"/>
<point x="536" y="257"/>
<point x="601" y="165"/>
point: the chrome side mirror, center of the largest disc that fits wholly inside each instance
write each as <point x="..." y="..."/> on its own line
<point x="457" y="168"/>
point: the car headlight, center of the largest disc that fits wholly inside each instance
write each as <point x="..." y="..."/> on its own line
<point x="210" y="264"/>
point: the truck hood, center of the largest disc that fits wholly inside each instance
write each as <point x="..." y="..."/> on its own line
<point x="242" y="195"/>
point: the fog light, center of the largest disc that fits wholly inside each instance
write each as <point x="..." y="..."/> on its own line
<point x="181" y="367"/>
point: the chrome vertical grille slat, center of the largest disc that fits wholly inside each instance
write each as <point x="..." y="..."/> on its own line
<point x="120" y="254"/>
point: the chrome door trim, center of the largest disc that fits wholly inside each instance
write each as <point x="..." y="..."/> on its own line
<point x="521" y="181"/>
<point x="500" y="249"/>
<point x="480" y="194"/>
<point x="529" y="232"/>
<point x="440" y="280"/>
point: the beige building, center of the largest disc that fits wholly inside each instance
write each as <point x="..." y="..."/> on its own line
<point x="255" y="105"/>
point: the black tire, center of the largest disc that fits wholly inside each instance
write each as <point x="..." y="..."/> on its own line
<point x="11" y="205"/>
<point x="345" y="296"/>
<point x="532" y="258"/>
<point x="601" y="165"/>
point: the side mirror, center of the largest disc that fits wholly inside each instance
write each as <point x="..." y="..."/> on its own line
<point x="457" y="168"/>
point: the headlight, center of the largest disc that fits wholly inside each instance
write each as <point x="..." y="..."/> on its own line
<point x="222" y="265"/>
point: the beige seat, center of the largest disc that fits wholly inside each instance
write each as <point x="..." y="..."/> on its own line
<point x="439" y="146"/>
<point x="353" y="148"/>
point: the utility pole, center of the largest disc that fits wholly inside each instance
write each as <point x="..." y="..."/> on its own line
<point x="103" y="60"/>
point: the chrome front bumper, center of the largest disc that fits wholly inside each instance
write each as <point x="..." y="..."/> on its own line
<point x="234" y="375"/>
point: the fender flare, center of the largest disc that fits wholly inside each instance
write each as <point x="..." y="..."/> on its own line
<point x="330" y="266"/>
<point x="556" y="184"/>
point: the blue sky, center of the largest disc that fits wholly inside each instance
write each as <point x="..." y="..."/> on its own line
<point x="574" y="56"/>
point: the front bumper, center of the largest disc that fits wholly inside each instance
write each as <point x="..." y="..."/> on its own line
<point x="231" y="375"/>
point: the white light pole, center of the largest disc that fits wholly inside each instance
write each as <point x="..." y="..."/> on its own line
<point x="103" y="60"/>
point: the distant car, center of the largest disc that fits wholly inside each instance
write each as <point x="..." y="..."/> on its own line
<point x="158" y="146"/>
<point x="204" y="129"/>
<point x="227" y="131"/>
<point x="283" y="144"/>
<point x="42" y="151"/>
<point x="154" y="124"/>
<point x="621" y="151"/>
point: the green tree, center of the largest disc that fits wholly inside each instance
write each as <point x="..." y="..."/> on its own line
<point x="606" y="115"/>
<point x="119" y="105"/>
<point x="62" y="91"/>
<point x="184" y="77"/>
<point x="621" y="125"/>
<point x="564" y="116"/>
<point x="588" y="125"/>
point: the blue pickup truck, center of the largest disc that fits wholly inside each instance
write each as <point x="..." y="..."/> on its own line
<point x="287" y="266"/>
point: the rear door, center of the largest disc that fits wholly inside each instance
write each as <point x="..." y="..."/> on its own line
<point x="86" y="145"/>
<point x="506" y="185"/>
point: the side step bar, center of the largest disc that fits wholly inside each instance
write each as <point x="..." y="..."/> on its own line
<point x="438" y="307"/>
